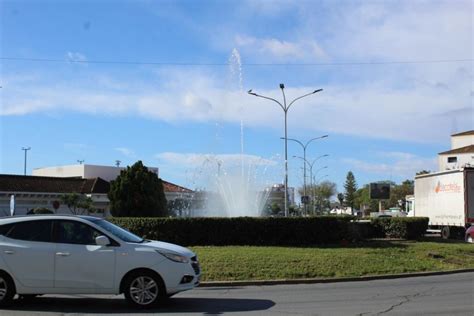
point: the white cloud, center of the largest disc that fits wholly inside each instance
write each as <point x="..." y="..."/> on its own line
<point x="76" y="57"/>
<point x="126" y="151"/>
<point x="228" y="160"/>
<point x="272" y="48"/>
<point x="398" y="164"/>
<point x="419" y="112"/>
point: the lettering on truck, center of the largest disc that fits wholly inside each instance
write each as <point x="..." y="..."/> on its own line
<point x="447" y="188"/>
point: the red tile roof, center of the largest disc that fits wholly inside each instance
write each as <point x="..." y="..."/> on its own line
<point x="171" y="187"/>
<point x="18" y="183"/>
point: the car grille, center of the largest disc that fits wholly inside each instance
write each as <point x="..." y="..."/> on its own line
<point x="195" y="265"/>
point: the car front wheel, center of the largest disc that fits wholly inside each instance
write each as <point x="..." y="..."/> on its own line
<point x="7" y="290"/>
<point x="144" y="289"/>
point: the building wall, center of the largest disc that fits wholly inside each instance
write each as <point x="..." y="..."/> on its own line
<point x="107" y="173"/>
<point x="462" y="160"/>
<point x="461" y="141"/>
<point x="60" y="171"/>
<point x="27" y="201"/>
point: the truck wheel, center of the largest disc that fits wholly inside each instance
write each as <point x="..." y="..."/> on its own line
<point x="445" y="232"/>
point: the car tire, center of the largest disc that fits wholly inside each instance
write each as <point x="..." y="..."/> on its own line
<point x="7" y="290"/>
<point x="144" y="289"/>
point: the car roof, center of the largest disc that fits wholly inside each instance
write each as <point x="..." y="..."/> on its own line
<point x="24" y="218"/>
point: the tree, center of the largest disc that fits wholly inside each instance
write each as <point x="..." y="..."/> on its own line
<point x="321" y="194"/>
<point x="340" y="198"/>
<point x="350" y="189"/>
<point x="39" y="210"/>
<point x="137" y="192"/>
<point x="78" y="204"/>
<point x="423" y="172"/>
<point x="399" y="193"/>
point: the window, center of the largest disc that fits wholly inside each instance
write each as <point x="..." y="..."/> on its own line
<point x="31" y="231"/>
<point x="452" y="159"/>
<point x="70" y="232"/>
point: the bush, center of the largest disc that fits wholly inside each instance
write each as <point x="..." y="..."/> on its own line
<point x="400" y="227"/>
<point x="40" y="210"/>
<point x="266" y="231"/>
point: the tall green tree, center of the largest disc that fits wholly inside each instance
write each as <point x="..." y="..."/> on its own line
<point x="350" y="187"/>
<point x="137" y="192"/>
<point x="340" y="198"/>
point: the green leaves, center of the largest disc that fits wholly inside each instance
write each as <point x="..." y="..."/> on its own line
<point x="137" y="192"/>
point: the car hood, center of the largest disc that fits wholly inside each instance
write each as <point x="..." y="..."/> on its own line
<point x="160" y="245"/>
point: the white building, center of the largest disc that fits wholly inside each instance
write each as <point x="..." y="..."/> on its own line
<point x="461" y="153"/>
<point x="31" y="192"/>
<point x="83" y="171"/>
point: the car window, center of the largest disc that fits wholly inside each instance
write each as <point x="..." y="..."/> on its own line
<point x="69" y="232"/>
<point x="31" y="231"/>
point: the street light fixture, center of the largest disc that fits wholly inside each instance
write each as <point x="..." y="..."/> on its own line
<point x="285" y="109"/>
<point x="304" y="158"/>
<point x="26" y="150"/>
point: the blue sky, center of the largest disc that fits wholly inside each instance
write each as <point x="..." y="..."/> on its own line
<point x="386" y="120"/>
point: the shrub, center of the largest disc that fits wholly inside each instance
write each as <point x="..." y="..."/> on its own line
<point x="268" y="231"/>
<point x="400" y="227"/>
<point x="40" y="210"/>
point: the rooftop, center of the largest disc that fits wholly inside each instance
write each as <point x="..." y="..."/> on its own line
<point x="462" y="150"/>
<point x="471" y="132"/>
<point x="18" y="183"/>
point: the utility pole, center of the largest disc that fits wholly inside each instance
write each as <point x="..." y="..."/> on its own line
<point x="26" y="150"/>
<point x="117" y="163"/>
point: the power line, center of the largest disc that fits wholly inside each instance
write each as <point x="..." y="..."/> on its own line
<point x="50" y="60"/>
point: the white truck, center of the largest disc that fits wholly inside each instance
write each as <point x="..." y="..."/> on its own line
<point x="447" y="199"/>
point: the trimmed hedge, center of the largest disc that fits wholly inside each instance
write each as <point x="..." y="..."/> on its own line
<point x="266" y="231"/>
<point x="270" y="231"/>
<point x="400" y="227"/>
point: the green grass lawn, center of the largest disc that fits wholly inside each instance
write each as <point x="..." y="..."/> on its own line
<point x="370" y="258"/>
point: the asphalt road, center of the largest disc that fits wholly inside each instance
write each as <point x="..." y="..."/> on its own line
<point x="436" y="295"/>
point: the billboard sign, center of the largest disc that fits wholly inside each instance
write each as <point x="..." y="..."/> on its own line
<point x="380" y="191"/>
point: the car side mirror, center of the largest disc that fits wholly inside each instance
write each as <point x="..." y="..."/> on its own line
<point x="102" y="241"/>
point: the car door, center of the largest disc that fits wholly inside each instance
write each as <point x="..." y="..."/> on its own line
<point x="28" y="252"/>
<point x="79" y="262"/>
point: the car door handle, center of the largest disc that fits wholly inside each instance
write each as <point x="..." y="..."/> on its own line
<point x="63" y="254"/>
<point x="9" y="252"/>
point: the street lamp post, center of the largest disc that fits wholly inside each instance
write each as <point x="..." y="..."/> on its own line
<point x="311" y="172"/>
<point x="305" y="161"/>
<point x="26" y="150"/>
<point x="285" y="109"/>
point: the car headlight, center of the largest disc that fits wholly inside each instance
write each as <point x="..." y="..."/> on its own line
<point x="173" y="256"/>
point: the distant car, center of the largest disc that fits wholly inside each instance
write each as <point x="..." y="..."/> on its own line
<point x="470" y="234"/>
<point x="53" y="254"/>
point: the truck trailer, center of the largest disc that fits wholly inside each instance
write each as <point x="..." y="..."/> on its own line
<point x="447" y="199"/>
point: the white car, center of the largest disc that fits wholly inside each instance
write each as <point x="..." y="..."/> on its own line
<point x="54" y="254"/>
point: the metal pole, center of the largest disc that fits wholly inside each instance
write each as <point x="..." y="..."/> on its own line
<point x="286" y="149"/>
<point x="26" y="150"/>
<point x="285" y="109"/>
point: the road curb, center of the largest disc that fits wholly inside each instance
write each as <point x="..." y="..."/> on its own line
<point x="330" y="280"/>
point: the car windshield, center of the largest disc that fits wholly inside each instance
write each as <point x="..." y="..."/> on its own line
<point x="117" y="231"/>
